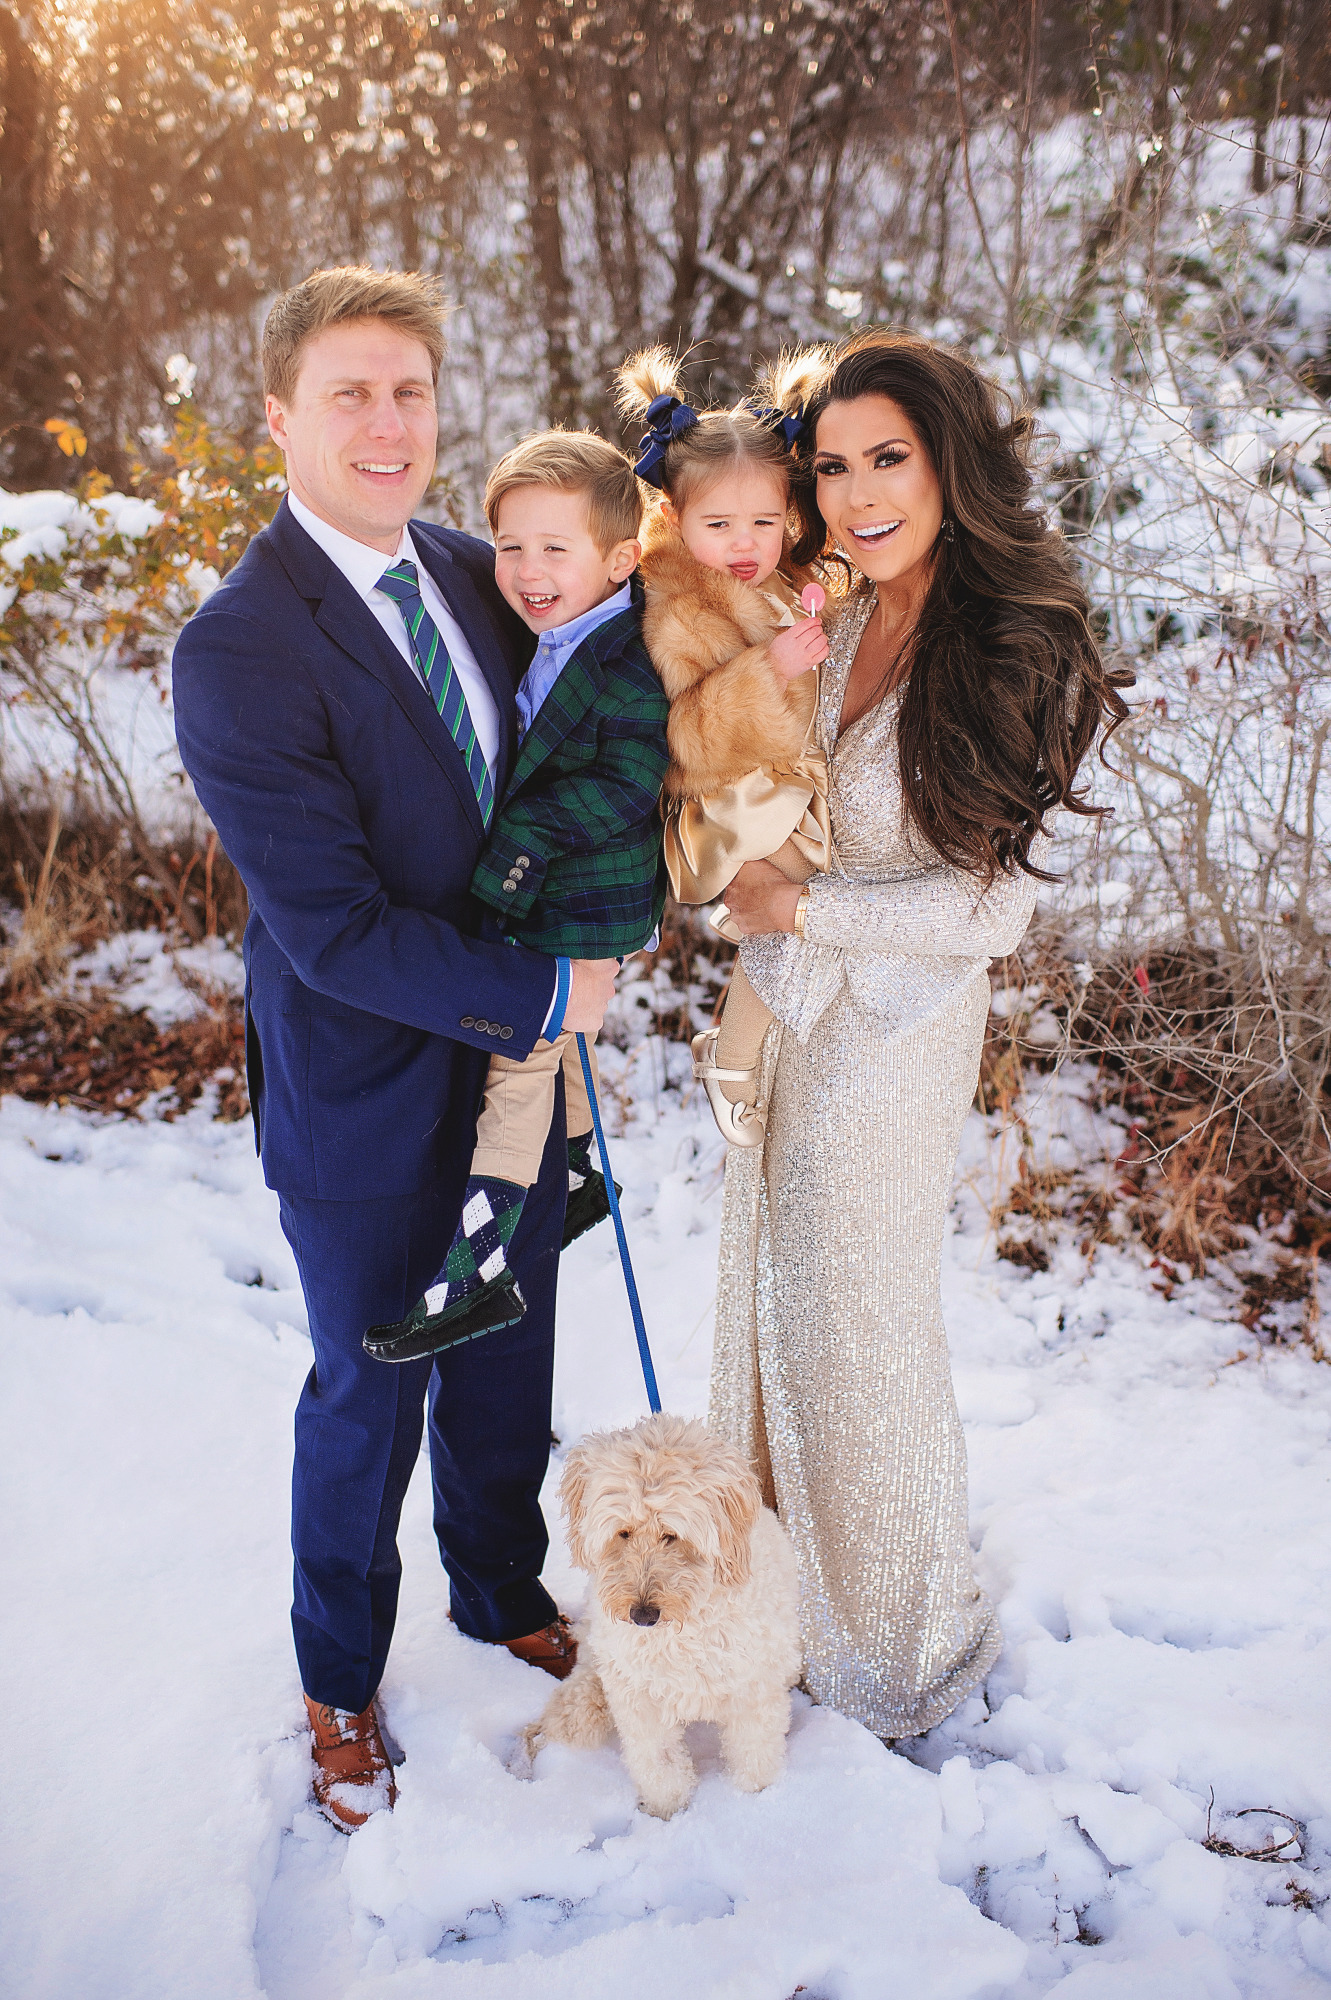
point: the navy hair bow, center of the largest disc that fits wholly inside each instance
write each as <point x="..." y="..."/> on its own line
<point x="667" y="419"/>
<point x="789" y="427"/>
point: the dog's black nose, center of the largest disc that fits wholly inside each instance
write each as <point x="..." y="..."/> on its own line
<point x="645" y="1614"/>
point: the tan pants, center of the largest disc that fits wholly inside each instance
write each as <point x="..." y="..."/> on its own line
<point x="519" y="1103"/>
<point x="746" y="1018"/>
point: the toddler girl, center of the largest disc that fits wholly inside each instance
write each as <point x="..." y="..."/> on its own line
<point x="747" y="779"/>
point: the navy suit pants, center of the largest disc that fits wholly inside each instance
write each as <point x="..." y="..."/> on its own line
<point x="359" y="1424"/>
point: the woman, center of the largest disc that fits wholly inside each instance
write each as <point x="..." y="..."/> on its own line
<point x="962" y="691"/>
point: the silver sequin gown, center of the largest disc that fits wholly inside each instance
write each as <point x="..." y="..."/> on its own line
<point x="831" y="1366"/>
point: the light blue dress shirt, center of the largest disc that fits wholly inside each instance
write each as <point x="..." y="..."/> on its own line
<point x="553" y="651"/>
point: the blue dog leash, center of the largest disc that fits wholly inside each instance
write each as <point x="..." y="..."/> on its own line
<point x="635" y="1306"/>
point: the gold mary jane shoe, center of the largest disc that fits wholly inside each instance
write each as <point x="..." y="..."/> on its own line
<point x="741" y="1124"/>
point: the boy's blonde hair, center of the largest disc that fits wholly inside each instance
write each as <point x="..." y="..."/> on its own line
<point x="574" y="462"/>
<point x="408" y="300"/>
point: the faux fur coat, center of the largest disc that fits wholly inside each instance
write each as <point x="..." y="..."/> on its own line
<point x="708" y="635"/>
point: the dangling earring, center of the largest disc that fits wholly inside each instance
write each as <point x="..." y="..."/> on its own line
<point x="949" y="532"/>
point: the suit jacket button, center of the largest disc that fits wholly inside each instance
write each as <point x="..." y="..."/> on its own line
<point x="505" y="1034"/>
<point x="467" y="1021"/>
<point x="493" y="1028"/>
<point x="481" y="1027"/>
<point x="508" y="887"/>
<point x="524" y="861"/>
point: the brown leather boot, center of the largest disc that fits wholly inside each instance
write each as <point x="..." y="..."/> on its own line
<point x="553" y="1649"/>
<point x="352" y="1775"/>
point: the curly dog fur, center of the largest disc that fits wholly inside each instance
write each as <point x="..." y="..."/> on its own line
<point x="694" y="1614"/>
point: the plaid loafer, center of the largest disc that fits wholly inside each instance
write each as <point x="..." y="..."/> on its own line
<point x="498" y="1303"/>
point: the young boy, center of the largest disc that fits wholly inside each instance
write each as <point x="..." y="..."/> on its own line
<point x="573" y="865"/>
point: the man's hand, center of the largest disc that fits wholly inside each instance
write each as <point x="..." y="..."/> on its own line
<point x="590" y="987"/>
<point x="801" y="646"/>
<point x="762" y="899"/>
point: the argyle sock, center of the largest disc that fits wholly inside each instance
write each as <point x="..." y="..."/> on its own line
<point x="580" y="1158"/>
<point x="490" y="1214"/>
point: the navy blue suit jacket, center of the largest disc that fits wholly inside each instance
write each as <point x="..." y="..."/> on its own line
<point x="373" y="1000"/>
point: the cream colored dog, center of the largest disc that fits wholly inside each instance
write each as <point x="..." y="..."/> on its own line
<point x="694" y="1614"/>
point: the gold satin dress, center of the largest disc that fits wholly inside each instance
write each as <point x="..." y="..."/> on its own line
<point x="830" y="1366"/>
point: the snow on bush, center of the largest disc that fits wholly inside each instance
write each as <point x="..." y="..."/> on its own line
<point x="94" y="586"/>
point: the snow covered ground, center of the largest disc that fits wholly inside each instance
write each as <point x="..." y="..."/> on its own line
<point x="1151" y="1513"/>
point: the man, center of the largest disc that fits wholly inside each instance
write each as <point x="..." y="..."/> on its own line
<point x="349" y="741"/>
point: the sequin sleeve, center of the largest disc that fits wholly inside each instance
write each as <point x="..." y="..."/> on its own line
<point x="941" y="912"/>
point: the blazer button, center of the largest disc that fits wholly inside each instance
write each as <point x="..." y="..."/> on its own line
<point x="493" y="1028"/>
<point x="505" y="1034"/>
<point x="508" y="887"/>
<point x="481" y="1027"/>
<point x="467" y="1021"/>
<point x="524" y="861"/>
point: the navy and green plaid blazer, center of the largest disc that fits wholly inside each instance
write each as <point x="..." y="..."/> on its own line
<point x="573" y="864"/>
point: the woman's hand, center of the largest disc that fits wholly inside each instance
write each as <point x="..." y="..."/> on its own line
<point x="762" y="899"/>
<point x="800" y="647"/>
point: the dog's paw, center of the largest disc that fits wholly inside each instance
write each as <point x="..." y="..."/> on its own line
<point x="529" y="1741"/>
<point x="756" y="1781"/>
<point x="662" y="1808"/>
<point x="754" y="1751"/>
<point x="663" y="1803"/>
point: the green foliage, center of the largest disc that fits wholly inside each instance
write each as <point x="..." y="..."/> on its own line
<point x="214" y="499"/>
<point x="108" y="582"/>
<point x="130" y="572"/>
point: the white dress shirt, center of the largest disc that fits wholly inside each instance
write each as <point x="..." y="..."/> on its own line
<point x="362" y="567"/>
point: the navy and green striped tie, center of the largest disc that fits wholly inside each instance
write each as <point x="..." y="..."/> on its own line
<point x="440" y="677"/>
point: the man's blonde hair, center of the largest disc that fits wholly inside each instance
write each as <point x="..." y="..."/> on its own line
<point x="574" y="462"/>
<point x="408" y="300"/>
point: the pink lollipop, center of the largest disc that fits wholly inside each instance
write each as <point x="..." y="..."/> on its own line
<point x="813" y="597"/>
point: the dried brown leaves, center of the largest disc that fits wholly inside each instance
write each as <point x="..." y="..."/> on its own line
<point x="93" y="1052"/>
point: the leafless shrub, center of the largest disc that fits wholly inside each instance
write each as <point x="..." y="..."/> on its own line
<point x="1223" y="1152"/>
<point x="73" y="882"/>
<point x="676" y="989"/>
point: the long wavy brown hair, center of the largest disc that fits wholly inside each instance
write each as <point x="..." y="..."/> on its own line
<point x="1005" y="689"/>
